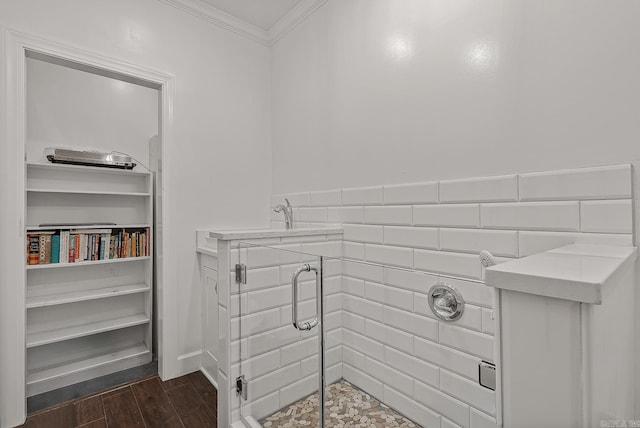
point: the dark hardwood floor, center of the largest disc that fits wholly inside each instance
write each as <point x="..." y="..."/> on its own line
<point x="184" y="402"/>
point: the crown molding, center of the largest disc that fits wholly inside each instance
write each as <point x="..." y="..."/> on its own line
<point x="295" y="16"/>
<point x="221" y="19"/>
<point x="236" y="25"/>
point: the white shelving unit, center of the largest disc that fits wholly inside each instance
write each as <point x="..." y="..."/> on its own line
<point x="90" y="318"/>
<point x="91" y="262"/>
<point x="39" y="298"/>
<point x="86" y="192"/>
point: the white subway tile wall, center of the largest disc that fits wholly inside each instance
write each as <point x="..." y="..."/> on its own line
<point x="410" y="408"/>
<point x="458" y="215"/>
<point x="488" y="189"/>
<point x="532" y="215"/>
<point x="498" y="242"/>
<point x="385" y="339"/>
<point x="422" y="193"/>
<point x="362" y="233"/>
<point x="362" y="196"/>
<point x="606" y="216"/>
<point x="399" y="215"/>
<point x="347" y="215"/>
<point x="415" y="237"/>
<point x="607" y="182"/>
<point x="469" y="392"/>
<point x="395" y="256"/>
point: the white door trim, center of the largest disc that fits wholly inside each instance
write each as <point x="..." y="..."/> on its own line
<point x="12" y="213"/>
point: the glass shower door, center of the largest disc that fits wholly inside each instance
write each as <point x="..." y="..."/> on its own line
<point x="275" y="339"/>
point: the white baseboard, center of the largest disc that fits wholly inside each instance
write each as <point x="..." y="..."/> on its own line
<point x="192" y="362"/>
<point x="189" y="363"/>
<point x="206" y="374"/>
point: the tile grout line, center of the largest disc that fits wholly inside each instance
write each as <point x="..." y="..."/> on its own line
<point x="104" y="413"/>
<point x="164" y="392"/>
<point x="135" y="399"/>
<point x="174" y="409"/>
<point x="92" y="422"/>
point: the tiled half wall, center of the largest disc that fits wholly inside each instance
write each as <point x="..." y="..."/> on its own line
<point x="436" y="226"/>
<point x="392" y="346"/>
<point x="380" y="334"/>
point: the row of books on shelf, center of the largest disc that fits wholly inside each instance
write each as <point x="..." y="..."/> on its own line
<point x="79" y="245"/>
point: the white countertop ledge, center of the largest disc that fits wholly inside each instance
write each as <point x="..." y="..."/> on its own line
<point x="577" y="272"/>
<point x="230" y="235"/>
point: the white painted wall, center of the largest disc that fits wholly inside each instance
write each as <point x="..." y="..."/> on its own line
<point x="221" y="115"/>
<point x="81" y="110"/>
<point x="373" y="92"/>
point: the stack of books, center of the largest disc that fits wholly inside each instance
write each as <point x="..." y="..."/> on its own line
<point x="79" y="245"/>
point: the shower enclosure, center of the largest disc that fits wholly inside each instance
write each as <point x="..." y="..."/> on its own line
<point x="320" y="340"/>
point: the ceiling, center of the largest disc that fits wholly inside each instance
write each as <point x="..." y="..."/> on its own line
<point x="261" y="13"/>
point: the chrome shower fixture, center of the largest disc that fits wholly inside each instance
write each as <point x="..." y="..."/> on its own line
<point x="487" y="259"/>
<point x="288" y="213"/>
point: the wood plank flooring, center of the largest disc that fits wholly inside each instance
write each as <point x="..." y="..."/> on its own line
<point x="184" y="402"/>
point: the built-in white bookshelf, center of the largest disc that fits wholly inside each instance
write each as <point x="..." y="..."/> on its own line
<point x="87" y="318"/>
<point x="41" y="297"/>
<point x="84" y="263"/>
<point x="86" y="192"/>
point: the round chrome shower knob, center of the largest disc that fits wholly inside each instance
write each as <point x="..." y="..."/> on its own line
<point x="446" y="302"/>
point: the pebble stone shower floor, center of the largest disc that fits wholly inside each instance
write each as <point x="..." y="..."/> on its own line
<point x="346" y="406"/>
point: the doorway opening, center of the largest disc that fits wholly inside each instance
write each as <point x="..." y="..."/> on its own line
<point x="100" y="315"/>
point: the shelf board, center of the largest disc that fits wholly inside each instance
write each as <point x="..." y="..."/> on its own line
<point x="55" y="297"/>
<point x="86" y="168"/>
<point x="67" y="333"/>
<point x="86" y="192"/>
<point x="49" y="373"/>
<point x="92" y="226"/>
<point x="86" y="263"/>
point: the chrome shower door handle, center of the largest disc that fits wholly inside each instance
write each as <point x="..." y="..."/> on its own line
<point x="306" y="325"/>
